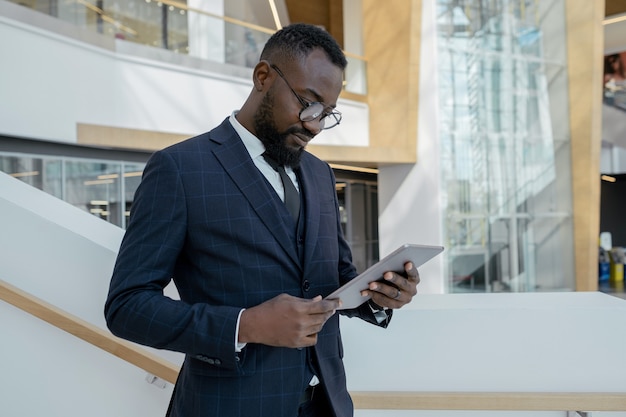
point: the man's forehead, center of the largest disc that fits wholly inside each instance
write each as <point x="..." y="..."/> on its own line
<point x="318" y="64"/>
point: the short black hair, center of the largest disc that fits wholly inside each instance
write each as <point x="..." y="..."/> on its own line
<point x="298" y="40"/>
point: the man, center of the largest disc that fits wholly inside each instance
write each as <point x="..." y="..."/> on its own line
<point x="259" y="338"/>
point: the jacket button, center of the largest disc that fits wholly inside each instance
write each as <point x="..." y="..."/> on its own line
<point x="306" y="285"/>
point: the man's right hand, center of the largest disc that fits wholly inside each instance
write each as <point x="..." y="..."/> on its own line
<point x="286" y="321"/>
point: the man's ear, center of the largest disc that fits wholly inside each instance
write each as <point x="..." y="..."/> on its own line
<point x="261" y="75"/>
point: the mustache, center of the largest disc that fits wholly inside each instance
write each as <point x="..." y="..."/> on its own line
<point x="299" y="131"/>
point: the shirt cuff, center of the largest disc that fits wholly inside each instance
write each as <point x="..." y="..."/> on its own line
<point x="238" y="346"/>
<point x="379" y="315"/>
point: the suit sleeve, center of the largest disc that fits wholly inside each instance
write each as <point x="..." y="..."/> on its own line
<point x="136" y="308"/>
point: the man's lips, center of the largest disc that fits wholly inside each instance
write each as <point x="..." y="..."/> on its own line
<point x="301" y="140"/>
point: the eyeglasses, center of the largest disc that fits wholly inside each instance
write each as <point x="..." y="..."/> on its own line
<point x="311" y="110"/>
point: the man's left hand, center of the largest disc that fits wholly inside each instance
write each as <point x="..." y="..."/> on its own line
<point x="395" y="290"/>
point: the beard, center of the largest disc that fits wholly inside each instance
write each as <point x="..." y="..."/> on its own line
<point x="276" y="142"/>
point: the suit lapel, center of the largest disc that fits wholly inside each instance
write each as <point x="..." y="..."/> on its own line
<point x="235" y="160"/>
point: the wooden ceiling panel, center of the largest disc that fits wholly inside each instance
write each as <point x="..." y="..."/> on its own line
<point x="614" y="7"/>
<point x="325" y="13"/>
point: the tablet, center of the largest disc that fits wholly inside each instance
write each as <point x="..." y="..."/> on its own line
<point x="350" y="293"/>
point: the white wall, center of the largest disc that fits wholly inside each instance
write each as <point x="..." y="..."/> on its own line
<point x="47" y="372"/>
<point x="50" y="82"/>
<point x="409" y="196"/>
<point x="64" y="256"/>
<point x="506" y="342"/>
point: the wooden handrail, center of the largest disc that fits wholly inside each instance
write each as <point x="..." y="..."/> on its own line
<point x="490" y="401"/>
<point x="88" y="332"/>
<point x="365" y="400"/>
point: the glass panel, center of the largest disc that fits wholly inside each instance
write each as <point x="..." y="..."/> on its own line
<point x="44" y="174"/>
<point x="358" y="208"/>
<point x="132" y="178"/>
<point x="244" y="45"/>
<point x="235" y="34"/>
<point x="340" y="187"/>
<point x="95" y="188"/>
<point x="502" y="83"/>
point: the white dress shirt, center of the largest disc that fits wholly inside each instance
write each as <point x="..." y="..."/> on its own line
<point x="256" y="149"/>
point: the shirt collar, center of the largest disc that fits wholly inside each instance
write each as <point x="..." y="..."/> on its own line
<point x="253" y="145"/>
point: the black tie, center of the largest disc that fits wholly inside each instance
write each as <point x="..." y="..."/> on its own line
<point x="292" y="198"/>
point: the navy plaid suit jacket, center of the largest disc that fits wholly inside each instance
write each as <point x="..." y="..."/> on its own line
<point x="205" y="217"/>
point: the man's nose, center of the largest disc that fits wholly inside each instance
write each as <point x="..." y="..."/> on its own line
<point x="314" y="126"/>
